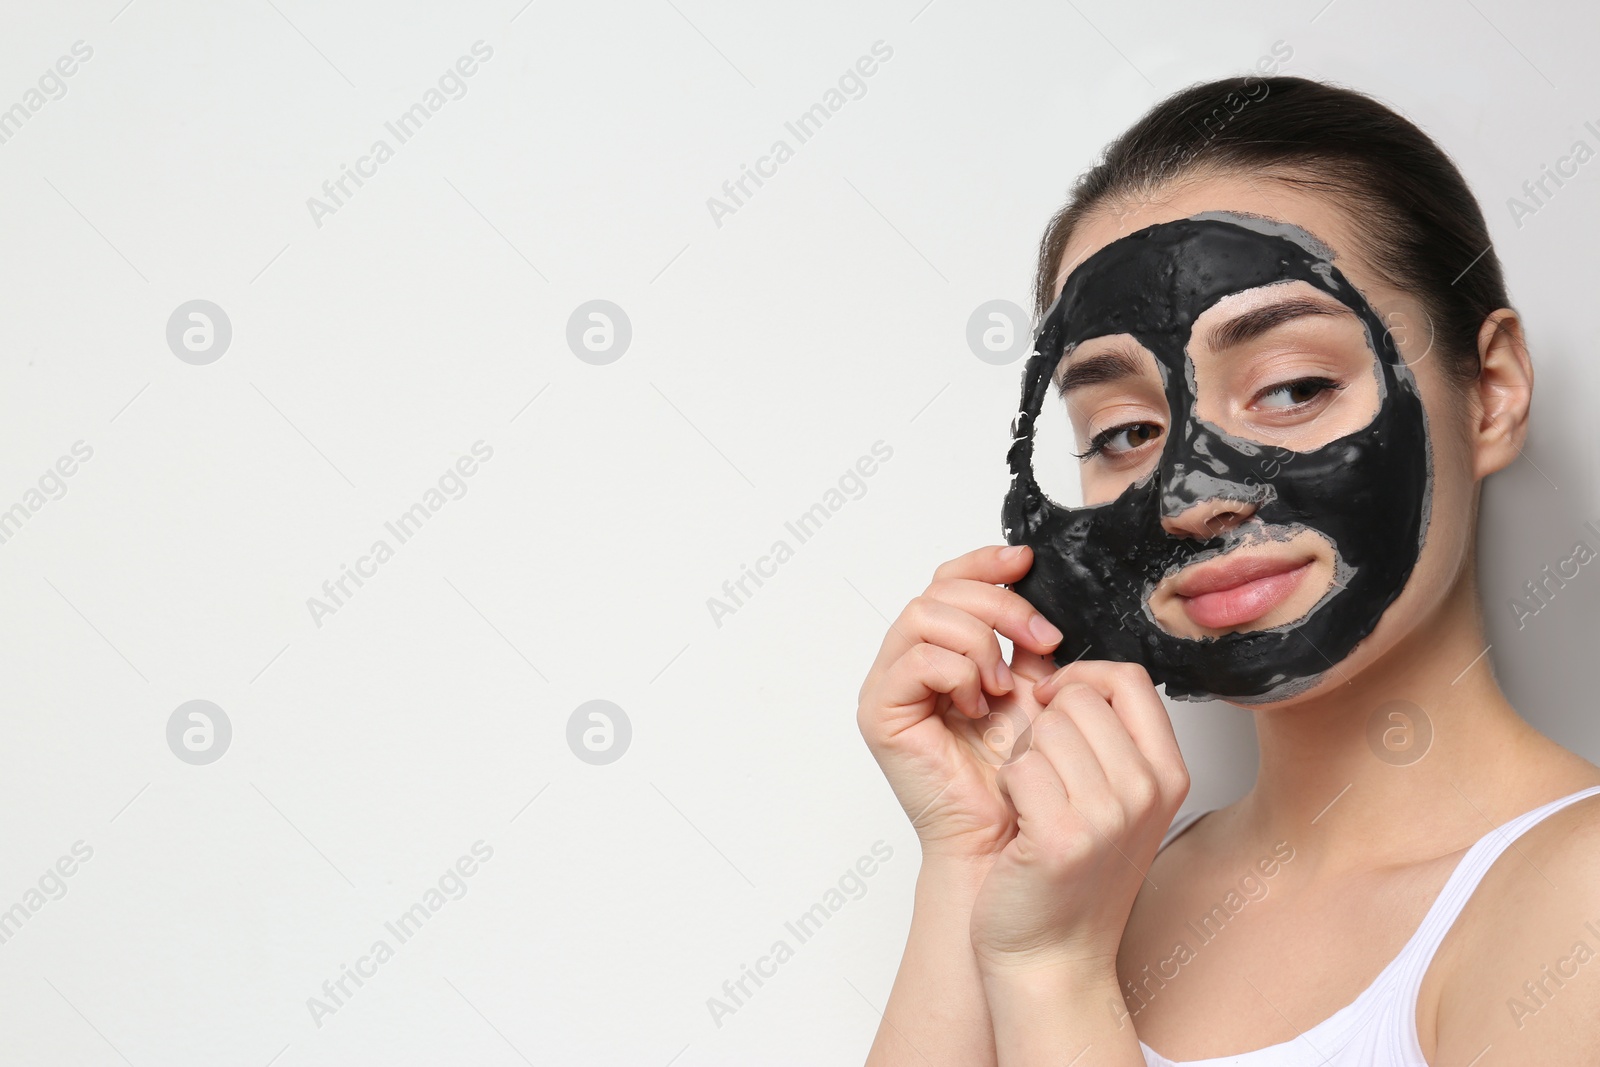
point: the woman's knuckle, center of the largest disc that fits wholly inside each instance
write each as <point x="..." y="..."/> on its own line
<point x="1134" y="672"/>
<point x="1141" y="791"/>
<point x="930" y="660"/>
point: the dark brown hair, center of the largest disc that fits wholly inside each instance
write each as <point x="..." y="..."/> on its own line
<point x="1421" y="229"/>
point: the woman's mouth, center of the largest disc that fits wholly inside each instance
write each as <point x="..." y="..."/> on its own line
<point x="1233" y="591"/>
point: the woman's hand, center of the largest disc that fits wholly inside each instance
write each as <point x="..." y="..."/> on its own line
<point x="1093" y="795"/>
<point x="940" y="707"/>
<point x="940" y="710"/>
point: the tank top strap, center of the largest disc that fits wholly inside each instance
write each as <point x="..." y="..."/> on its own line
<point x="1412" y="963"/>
<point x="1181" y="823"/>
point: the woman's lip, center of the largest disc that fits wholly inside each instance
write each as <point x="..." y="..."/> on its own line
<point x="1233" y="569"/>
<point x="1239" y="602"/>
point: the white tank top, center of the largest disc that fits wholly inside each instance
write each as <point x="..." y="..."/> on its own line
<point x="1379" y="1027"/>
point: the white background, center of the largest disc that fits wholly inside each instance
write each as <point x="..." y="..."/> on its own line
<point x="768" y="354"/>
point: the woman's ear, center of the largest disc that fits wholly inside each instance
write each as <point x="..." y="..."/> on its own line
<point x="1502" y="393"/>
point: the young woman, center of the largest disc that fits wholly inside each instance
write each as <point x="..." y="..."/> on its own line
<point x="1213" y="286"/>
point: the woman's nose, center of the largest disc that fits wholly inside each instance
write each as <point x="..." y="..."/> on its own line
<point x="1201" y="505"/>
<point x="1209" y="518"/>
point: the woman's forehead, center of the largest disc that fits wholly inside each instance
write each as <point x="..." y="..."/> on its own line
<point x="1261" y="197"/>
<point x="1157" y="281"/>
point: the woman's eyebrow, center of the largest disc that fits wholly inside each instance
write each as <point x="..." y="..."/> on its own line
<point x="1253" y="323"/>
<point x="1116" y="364"/>
<point x="1097" y="369"/>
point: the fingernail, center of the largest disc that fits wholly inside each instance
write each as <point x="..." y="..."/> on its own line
<point x="1011" y="553"/>
<point x="1003" y="673"/>
<point x="1041" y="628"/>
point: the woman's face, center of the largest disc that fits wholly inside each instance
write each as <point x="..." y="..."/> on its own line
<point x="1287" y="366"/>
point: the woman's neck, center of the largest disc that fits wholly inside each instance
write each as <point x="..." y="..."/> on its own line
<point x="1422" y="745"/>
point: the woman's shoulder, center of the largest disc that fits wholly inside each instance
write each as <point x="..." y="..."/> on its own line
<point x="1520" y="967"/>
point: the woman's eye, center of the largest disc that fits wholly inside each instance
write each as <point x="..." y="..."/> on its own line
<point x="1106" y="442"/>
<point x="1299" y="391"/>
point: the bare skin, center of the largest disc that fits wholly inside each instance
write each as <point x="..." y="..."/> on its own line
<point x="1028" y="929"/>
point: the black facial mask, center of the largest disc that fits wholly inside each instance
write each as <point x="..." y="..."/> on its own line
<point x="1368" y="492"/>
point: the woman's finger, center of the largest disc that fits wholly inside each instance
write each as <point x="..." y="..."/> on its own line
<point x="1001" y="609"/>
<point x="983" y="568"/>
<point x="926" y="670"/>
<point x="1061" y="741"/>
<point x="995" y="565"/>
<point x="1035" y="792"/>
<point x="1127" y="688"/>
<point x="1126" y="783"/>
<point x="991" y="563"/>
<point x="1124" y="767"/>
<point x="926" y="619"/>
